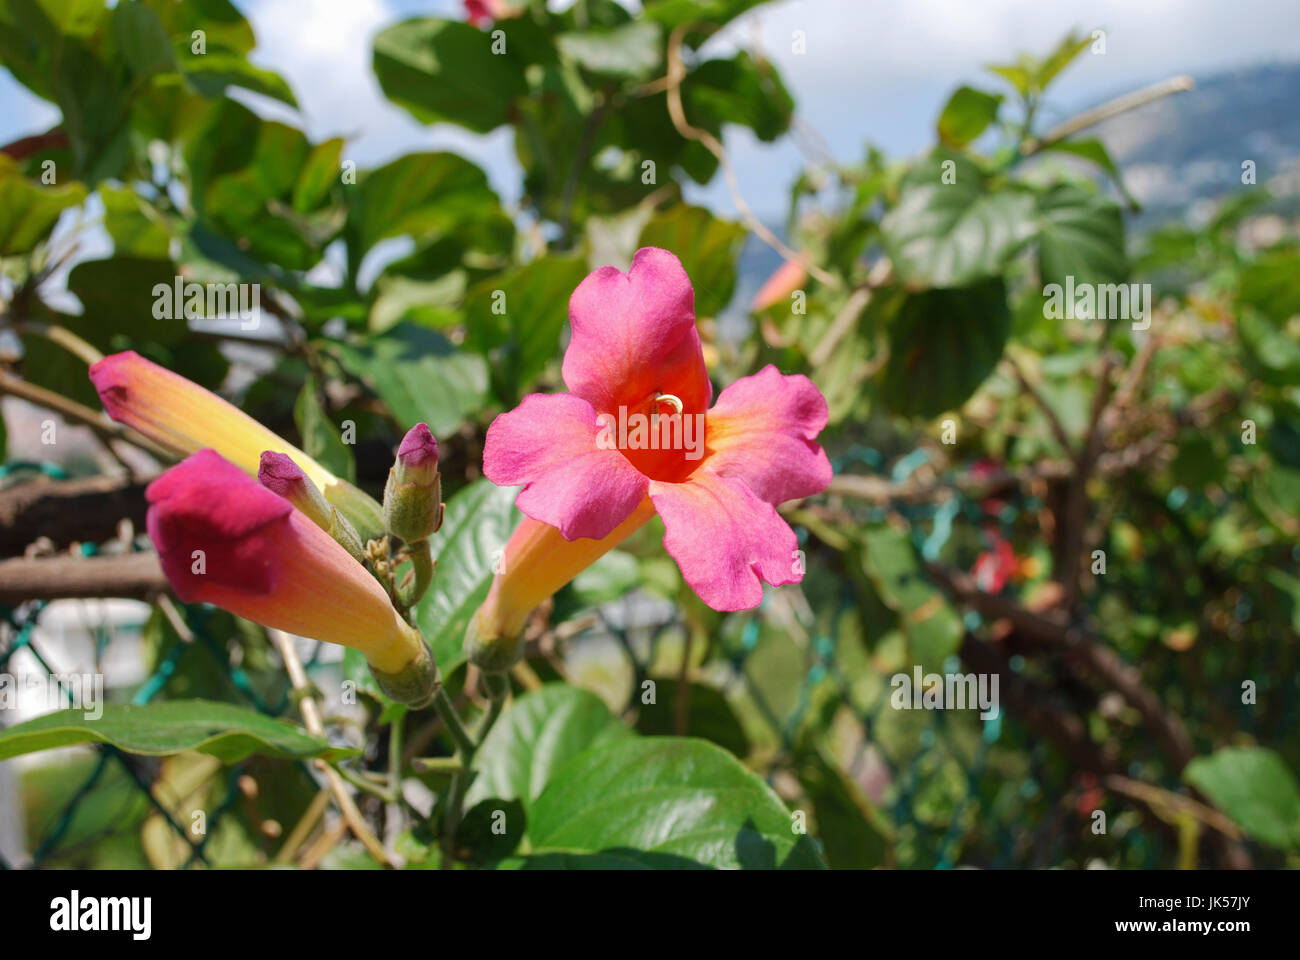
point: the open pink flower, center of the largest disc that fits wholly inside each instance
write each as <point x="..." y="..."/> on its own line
<point x="224" y="539"/>
<point x="715" y="476"/>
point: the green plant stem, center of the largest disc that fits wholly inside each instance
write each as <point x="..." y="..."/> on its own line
<point x="364" y="784"/>
<point x="422" y="566"/>
<point x="466" y="747"/>
<point x="447" y="711"/>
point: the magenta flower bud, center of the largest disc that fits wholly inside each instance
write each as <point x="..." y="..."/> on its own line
<point x="417" y="456"/>
<point x="413" y="494"/>
<point x="223" y="539"/>
<point x="279" y="474"/>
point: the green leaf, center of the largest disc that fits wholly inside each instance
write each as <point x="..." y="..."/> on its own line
<point x="29" y="211"/>
<point x="673" y="13"/>
<point x="420" y="375"/>
<point x="1255" y="788"/>
<point x="491" y="830"/>
<point x="445" y="70"/>
<point x="244" y="170"/>
<point x="666" y="795"/>
<point x="942" y="346"/>
<point x="854" y="833"/>
<point x="222" y="730"/>
<point x="1081" y="234"/>
<point x="948" y="228"/>
<point x="477" y="523"/>
<point x="216" y="70"/>
<point x="709" y="249"/>
<point x="709" y="715"/>
<point x="605" y="860"/>
<point x="142" y="40"/>
<point x="1272" y="285"/>
<point x="526" y="337"/>
<point x="423" y="195"/>
<point x="1095" y="151"/>
<point x="1062" y="56"/>
<point x="538" y="734"/>
<point x="967" y="114"/>
<point x="137" y="229"/>
<point x="932" y="627"/>
<point x="321" y="439"/>
<point x="633" y="50"/>
<point x="738" y="90"/>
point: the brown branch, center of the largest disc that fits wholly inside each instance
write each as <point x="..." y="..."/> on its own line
<point x="68" y="511"/>
<point x="71" y="410"/>
<point x="135" y="576"/>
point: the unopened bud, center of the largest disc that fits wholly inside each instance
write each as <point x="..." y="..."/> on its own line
<point x="413" y="494"/>
<point x="279" y="474"/>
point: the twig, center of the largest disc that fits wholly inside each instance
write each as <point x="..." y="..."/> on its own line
<point x="676" y="74"/>
<point x="72" y="410"/>
<point x="310" y="711"/>
<point x="1058" y="428"/>
<point x="134" y="576"/>
<point x="1111" y="108"/>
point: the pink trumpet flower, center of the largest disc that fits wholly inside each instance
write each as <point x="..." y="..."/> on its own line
<point x="636" y="437"/>
<point x="224" y="539"/>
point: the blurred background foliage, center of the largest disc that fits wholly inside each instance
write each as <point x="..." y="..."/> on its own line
<point x="984" y="450"/>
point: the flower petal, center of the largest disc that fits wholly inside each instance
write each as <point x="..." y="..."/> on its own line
<point x="634" y="336"/>
<point x="763" y="430"/>
<point x="725" y="539"/>
<point x="549" y="444"/>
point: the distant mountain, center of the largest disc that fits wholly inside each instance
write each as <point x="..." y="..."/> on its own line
<point x="1181" y="152"/>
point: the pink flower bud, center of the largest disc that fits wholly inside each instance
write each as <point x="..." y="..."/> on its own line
<point x="225" y="540"/>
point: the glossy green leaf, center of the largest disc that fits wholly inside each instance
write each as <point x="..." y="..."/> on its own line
<point x="667" y="795"/>
<point x="445" y="70"/>
<point x="223" y="730"/>
<point x="949" y="228"/>
<point x="420" y="375"/>
<point x="477" y="523"/>
<point x="538" y="734"/>
<point x="1255" y="788"/>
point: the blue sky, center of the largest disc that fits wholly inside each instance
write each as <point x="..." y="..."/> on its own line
<point x="875" y="70"/>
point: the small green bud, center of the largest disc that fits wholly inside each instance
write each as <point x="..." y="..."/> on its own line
<point x="413" y="493"/>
